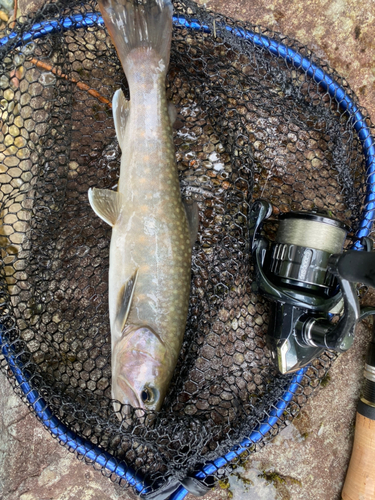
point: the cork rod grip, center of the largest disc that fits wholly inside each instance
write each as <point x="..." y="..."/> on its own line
<point x="360" y="478"/>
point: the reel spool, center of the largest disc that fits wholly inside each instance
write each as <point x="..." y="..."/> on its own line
<point x="309" y="278"/>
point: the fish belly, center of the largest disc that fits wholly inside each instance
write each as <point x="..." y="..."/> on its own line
<point x="152" y="235"/>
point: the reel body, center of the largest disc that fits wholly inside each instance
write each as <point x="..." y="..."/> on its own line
<point x="309" y="278"/>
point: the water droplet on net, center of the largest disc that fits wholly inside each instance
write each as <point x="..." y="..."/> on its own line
<point x="29" y="48"/>
<point x="110" y="154"/>
<point x="19" y="59"/>
<point x="47" y="79"/>
<point x="4" y="82"/>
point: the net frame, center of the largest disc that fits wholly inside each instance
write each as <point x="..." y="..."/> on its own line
<point x="339" y="94"/>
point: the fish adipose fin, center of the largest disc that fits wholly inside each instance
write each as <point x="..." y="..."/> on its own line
<point x="124" y="301"/>
<point x="192" y="214"/>
<point x="120" y="112"/>
<point x="134" y="24"/>
<point x="106" y="204"/>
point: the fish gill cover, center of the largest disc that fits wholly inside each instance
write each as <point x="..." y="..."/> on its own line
<point x="249" y="125"/>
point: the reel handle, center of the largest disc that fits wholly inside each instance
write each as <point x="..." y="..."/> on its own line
<point x="360" y="479"/>
<point x="355" y="266"/>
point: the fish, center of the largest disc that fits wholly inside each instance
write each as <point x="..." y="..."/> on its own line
<point x="153" y="230"/>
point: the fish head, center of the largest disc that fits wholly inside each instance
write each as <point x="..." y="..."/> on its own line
<point x="141" y="372"/>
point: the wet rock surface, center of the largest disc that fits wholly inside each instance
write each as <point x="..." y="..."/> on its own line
<point x="338" y="31"/>
<point x="308" y="459"/>
<point x="34" y="466"/>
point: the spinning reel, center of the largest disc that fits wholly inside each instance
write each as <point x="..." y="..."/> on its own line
<point x="309" y="279"/>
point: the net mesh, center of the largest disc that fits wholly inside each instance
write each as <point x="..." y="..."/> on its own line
<point x="249" y="125"/>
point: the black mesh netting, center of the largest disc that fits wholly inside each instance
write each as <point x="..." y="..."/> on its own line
<point x="249" y="125"/>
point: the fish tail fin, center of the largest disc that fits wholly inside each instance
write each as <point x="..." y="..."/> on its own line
<point x="139" y="24"/>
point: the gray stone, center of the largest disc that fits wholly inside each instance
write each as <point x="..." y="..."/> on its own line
<point x="34" y="466"/>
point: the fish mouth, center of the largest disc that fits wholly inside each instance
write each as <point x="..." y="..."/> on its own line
<point x="132" y="397"/>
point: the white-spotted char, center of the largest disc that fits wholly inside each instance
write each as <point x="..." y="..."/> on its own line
<point x="152" y="230"/>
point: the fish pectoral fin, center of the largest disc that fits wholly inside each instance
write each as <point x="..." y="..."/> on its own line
<point x="120" y="112"/>
<point x="124" y="301"/>
<point x="106" y="204"/>
<point x="192" y="214"/>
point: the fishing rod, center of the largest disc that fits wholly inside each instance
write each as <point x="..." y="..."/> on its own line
<point x="360" y="478"/>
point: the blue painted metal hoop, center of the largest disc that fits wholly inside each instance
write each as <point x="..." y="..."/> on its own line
<point x="338" y="93"/>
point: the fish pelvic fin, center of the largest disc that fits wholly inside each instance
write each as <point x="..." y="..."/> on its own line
<point x="134" y="24"/>
<point x="124" y="301"/>
<point x="120" y="111"/>
<point x="106" y="204"/>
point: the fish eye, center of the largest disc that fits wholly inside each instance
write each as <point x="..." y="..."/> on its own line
<point x="148" y="395"/>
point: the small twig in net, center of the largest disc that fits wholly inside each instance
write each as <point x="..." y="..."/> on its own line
<point x="81" y="85"/>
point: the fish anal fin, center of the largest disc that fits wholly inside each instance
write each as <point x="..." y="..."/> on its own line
<point x="192" y="214"/>
<point x="106" y="204"/>
<point x="125" y="298"/>
<point x="120" y="112"/>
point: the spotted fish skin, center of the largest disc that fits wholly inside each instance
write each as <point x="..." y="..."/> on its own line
<point x="150" y="252"/>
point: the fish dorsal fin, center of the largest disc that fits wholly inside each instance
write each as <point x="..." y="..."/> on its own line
<point x="120" y="112"/>
<point x="124" y="301"/>
<point x="192" y="214"/>
<point x="106" y="204"/>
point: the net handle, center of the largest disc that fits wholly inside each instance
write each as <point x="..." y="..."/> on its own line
<point x="339" y="94"/>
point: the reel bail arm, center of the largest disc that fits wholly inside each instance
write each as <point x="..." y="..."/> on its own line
<point x="308" y="278"/>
